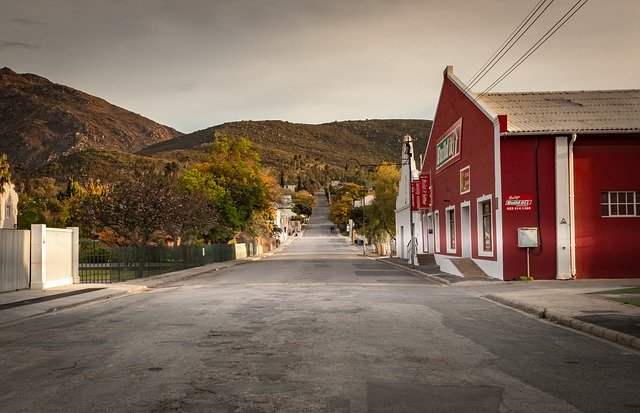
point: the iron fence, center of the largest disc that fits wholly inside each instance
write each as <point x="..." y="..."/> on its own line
<point x="101" y="265"/>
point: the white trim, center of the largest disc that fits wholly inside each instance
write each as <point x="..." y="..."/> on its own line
<point x="499" y="269"/>
<point x="563" y="217"/>
<point x="447" y="229"/>
<point x="466" y="244"/>
<point x="471" y="96"/>
<point x="480" y="225"/>
<point x="436" y="231"/>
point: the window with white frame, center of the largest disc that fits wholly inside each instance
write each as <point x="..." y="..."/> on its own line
<point x="620" y="203"/>
<point x="450" y="218"/>
<point x="485" y="226"/>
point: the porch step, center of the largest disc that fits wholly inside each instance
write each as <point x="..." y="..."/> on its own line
<point x="468" y="268"/>
<point x="426" y="259"/>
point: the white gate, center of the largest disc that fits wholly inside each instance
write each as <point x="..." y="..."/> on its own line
<point x="15" y="250"/>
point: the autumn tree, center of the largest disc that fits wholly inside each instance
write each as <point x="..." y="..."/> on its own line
<point x="231" y="180"/>
<point x="303" y="202"/>
<point x="5" y="172"/>
<point x="384" y="183"/>
<point x="342" y="202"/>
<point x="141" y="207"/>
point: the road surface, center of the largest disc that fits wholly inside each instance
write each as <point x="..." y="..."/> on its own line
<point x="315" y="327"/>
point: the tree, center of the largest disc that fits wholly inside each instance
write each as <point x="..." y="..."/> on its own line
<point x="385" y="182"/>
<point x="342" y="202"/>
<point x="5" y="172"/>
<point x="233" y="184"/>
<point x="303" y="202"/>
<point x="141" y="208"/>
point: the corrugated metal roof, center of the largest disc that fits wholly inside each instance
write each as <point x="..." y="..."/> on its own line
<point x="575" y="112"/>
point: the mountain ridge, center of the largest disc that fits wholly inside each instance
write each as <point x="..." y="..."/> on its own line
<point x="42" y="121"/>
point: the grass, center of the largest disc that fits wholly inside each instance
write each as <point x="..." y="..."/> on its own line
<point x="629" y="296"/>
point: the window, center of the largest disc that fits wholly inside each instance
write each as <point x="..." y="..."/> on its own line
<point x="451" y="230"/>
<point x="7" y="214"/>
<point x="487" y="241"/>
<point x="620" y="203"/>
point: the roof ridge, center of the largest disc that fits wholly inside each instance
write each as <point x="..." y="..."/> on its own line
<point x="559" y="92"/>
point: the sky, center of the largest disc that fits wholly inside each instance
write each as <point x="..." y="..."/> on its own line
<point x="191" y="64"/>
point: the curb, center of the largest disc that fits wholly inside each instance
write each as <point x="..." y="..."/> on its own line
<point x="555" y="317"/>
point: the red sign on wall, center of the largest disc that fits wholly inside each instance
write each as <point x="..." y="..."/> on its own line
<point x="415" y="195"/>
<point x="425" y="192"/>
<point x="522" y="202"/>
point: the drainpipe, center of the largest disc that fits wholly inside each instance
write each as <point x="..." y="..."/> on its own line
<point x="572" y="213"/>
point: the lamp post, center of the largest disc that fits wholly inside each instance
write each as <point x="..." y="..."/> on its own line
<point x="407" y="143"/>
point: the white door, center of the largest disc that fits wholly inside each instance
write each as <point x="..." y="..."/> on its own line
<point x="465" y="231"/>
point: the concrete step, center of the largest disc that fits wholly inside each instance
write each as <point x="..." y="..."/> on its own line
<point x="468" y="267"/>
<point x="426" y="259"/>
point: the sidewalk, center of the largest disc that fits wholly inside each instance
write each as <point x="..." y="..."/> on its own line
<point x="577" y="304"/>
<point x="16" y="306"/>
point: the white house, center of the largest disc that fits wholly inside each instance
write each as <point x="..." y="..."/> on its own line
<point x="403" y="206"/>
<point x="8" y="207"/>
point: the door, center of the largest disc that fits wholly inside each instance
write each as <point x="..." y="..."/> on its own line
<point x="465" y="230"/>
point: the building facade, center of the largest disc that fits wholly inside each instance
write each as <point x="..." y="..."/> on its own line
<point x="403" y="208"/>
<point x="8" y="207"/>
<point x="540" y="183"/>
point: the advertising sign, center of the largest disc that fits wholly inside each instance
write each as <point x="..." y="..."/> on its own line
<point x="522" y="202"/>
<point x="448" y="148"/>
<point x="425" y="191"/>
<point x="415" y="195"/>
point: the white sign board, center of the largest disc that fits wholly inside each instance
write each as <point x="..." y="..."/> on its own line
<point x="528" y="237"/>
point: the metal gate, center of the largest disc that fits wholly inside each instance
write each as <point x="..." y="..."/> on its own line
<point x="15" y="259"/>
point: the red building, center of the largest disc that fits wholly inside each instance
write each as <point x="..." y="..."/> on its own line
<point x="555" y="171"/>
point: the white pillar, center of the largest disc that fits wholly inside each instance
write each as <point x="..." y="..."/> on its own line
<point x="75" y="254"/>
<point x="38" y="256"/>
<point x="563" y="220"/>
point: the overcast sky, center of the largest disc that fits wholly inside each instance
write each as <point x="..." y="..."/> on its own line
<point x="191" y="64"/>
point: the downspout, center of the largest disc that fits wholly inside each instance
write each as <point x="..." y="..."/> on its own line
<point x="572" y="213"/>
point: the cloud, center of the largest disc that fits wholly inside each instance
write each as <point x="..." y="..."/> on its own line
<point x="16" y="45"/>
<point x="184" y="87"/>
<point x="28" y="22"/>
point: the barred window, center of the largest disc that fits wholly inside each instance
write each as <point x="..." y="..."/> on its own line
<point x="620" y="203"/>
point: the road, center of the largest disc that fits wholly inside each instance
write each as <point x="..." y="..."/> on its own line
<point x="315" y="327"/>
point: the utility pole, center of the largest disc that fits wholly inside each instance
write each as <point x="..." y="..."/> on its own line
<point x="407" y="142"/>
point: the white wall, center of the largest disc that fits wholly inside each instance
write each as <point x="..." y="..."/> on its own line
<point x="54" y="256"/>
<point x="14" y="259"/>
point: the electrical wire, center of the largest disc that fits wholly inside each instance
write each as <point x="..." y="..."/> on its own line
<point x="509" y="42"/>
<point x="563" y="20"/>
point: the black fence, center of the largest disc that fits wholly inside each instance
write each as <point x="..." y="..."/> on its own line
<point x="101" y="265"/>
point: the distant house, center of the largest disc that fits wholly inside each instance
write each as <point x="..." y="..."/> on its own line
<point x="545" y="182"/>
<point x="404" y="209"/>
<point x="8" y="207"/>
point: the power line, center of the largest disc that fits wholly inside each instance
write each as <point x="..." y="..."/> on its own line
<point x="563" y="20"/>
<point x="509" y="42"/>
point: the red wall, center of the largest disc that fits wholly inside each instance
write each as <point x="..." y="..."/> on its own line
<point x="518" y="165"/>
<point x="476" y="151"/>
<point x="605" y="247"/>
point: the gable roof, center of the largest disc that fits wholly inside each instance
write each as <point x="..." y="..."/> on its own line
<point x="598" y="111"/>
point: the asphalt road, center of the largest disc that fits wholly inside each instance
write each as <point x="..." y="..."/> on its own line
<point x="315" y="327"/>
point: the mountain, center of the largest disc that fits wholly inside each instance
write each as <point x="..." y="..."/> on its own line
<point x="278" y="142"/>
<point x="43" y="122"/>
